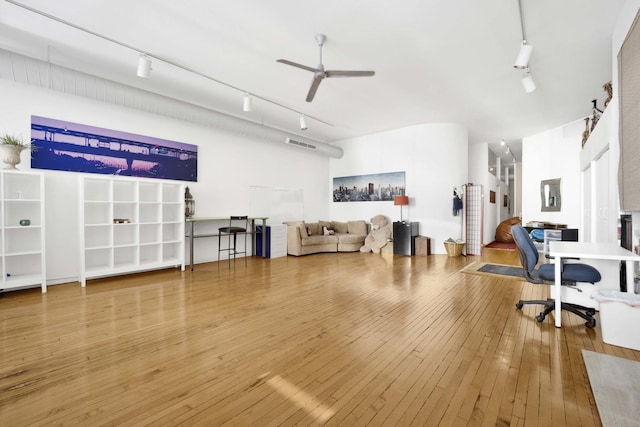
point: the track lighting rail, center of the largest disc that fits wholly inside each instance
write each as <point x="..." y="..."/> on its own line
<point x="159" y="58"/>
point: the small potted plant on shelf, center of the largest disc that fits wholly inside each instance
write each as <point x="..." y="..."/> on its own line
<point x="10" y="147"/>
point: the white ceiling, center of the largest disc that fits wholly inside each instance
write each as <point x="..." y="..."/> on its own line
<point x="435" y="60"/>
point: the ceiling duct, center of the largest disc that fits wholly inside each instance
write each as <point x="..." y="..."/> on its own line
<point x="35" y="72"/>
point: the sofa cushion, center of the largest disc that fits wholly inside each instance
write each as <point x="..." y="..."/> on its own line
<point x="357" y="227"/>
<point x="339" y="227"/>
<point x="351" y="238"/>
<point x="302" y="229"/>
<point x="313" y="228"/>
<point x="319" y="240"/>
<point x="323" y="224"/>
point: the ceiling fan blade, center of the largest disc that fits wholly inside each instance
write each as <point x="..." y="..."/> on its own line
<point x="295" y="64"/>
<point x="346" y="73"/>
<point x="320" y="73"/>
<point x="314" y="87"/>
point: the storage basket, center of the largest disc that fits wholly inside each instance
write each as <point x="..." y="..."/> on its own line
<point x="454" y="248"/>
<point x="619" y="313"/>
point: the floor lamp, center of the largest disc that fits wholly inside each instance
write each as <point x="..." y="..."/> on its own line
<point x="401" y="201"/>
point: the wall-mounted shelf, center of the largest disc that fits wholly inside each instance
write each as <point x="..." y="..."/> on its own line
<point x="22" y="237"/>
<point x="129" y="225"/>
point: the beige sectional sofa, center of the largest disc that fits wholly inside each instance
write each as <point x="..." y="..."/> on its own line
<point x="305" y="238"/>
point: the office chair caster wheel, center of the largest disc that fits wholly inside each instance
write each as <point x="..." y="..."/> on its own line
<point x="590" y="312"/>
<point x="519" y="306"/>
<point x="540" y="317"/>
<point x="591" y="323"/>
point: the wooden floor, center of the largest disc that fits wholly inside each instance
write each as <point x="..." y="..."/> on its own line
<point x="328" y="339"/>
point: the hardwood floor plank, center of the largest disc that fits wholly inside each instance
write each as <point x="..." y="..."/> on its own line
<point x="326" y="339"/>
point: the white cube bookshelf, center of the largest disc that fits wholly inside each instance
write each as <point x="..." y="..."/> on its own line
<point x="22" y="236"/>
<point x="129" y="225"/>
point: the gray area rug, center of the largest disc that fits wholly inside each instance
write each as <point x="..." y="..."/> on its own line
<point x="499" y="271"/>
<point x="615" y="383"/>
<point x="504" y="270"/>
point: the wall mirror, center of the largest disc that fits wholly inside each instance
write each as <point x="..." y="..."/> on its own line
<point x="550" y="195"/>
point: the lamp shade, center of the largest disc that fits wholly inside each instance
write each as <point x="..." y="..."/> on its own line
<point x="401" y="200"/>
<point x="522" y="61"/>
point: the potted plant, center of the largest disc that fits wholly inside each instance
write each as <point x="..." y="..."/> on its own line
<point x="10" y="148"/>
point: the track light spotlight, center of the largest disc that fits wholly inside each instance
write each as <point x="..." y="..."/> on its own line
<point x="527" y="82"/>
<point x="303" y="123"/>
<point x="144" y="66"/>
<point x="246" y="103"/>
<point x="522" y="61"/>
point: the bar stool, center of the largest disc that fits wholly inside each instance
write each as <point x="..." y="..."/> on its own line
<point x="237" y="225"/>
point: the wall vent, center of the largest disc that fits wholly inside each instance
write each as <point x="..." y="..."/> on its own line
<point x="300" y="144"/>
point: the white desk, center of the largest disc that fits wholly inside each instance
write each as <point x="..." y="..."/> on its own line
<point x="606" y="251"/>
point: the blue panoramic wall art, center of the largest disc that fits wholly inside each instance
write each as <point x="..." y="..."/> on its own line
<point x="68" y="146"/>
<point x="368" y="188"/>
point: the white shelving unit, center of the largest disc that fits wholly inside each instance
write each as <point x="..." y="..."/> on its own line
<point x="129" y="225"/>
<point x="22" y="244"/>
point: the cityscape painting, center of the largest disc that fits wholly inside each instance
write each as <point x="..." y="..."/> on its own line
<point x="369" y="188"/>
<point x="74" y="147"/>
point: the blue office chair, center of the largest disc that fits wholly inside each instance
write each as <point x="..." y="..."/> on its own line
<point x="545" y="274"/>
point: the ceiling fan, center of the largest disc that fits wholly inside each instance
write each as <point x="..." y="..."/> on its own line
<point x="319" y="73"/>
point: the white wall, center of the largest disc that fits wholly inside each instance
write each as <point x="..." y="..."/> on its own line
<point x="435" y="159"/>
<point x="479" y="174"/>
<point x="548" y="155"/>
<point x="479" y="155"/>
<point x="496" y="211"/>
<point x="516" y="202"/>
<point x="229" y="164"/>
